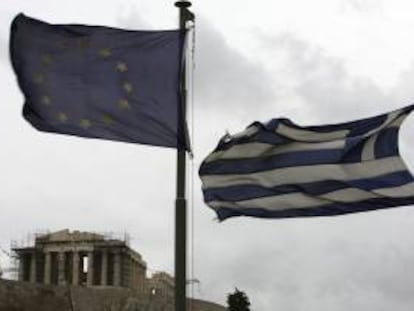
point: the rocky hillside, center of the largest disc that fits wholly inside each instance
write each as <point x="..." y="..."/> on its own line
<point x="20" y="296"/>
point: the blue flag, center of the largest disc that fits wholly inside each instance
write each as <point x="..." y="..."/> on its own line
<point x="280" y="169"/>
<point x="100" y="82"/>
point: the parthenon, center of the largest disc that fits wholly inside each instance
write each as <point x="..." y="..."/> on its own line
<point x="106" y="272"/>
<point x="81" y="259"/>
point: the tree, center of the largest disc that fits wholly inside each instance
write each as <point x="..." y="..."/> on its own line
<point x="238" y="301"/>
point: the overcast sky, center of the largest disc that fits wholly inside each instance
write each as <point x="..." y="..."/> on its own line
<point x="320" y="61"/>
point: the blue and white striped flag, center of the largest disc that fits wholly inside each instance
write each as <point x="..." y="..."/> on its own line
<point x="280" y="169"/>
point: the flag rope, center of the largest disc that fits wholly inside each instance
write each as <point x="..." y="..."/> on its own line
<point x="192" y="138"/>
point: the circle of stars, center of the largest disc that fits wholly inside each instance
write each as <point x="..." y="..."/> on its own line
<point x="47" y="60"/>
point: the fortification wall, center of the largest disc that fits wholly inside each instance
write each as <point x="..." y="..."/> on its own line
<point x="21" y="296"/>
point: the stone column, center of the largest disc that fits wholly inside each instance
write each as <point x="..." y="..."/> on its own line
<point x="133" y="278"/>
<point x="90" y="275"/>
<point x="33" y="270"/>
<point x="142" y="279"/>
<point x="48" y="268"/>
<point x="127" y="266"/>
<point x="135" y="274"/>
<point x="75" y="275"/>
<point x="117" y="269"/>
<point x="139" y="280"/>
<point x="61" y="269"/>
<point x="21" y="267"/>
<point x="131" y="272"/>
<point x="104" y="268"/>
<point x="136" y="281"/>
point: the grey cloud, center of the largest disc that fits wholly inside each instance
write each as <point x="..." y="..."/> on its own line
<point x="404" y="90"/>
<point x="328" y="92"/>
<point x="224" y="77"/>
<point x="132" y="21"/>
<point x="313" y="276"/>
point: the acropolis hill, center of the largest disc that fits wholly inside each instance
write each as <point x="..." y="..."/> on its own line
<point x="84" y="271"/>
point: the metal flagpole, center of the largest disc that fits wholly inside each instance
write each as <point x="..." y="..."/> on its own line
<point x="180" y="203"/>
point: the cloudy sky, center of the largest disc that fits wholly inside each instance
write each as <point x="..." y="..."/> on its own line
<point x="321" y="61"/>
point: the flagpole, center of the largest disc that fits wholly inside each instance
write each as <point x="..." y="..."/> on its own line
<point x="180" y="203"/>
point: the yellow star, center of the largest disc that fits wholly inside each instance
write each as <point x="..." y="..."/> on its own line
<point x="122" y="67"/>
<point x="127" y="87"/>
<point x="47" y="59"/>
<point x="105" y="53"/>
<point x="107" y="119"/>
<point x="38" y="78"/>
<point x="62" y="117"/>
<point x="123" y="104"/>
<point x="45" y="100"/>
<point x="85" y="124"/>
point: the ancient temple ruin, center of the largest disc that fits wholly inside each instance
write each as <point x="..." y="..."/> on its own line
<point x="81" y="259"/>
<point x="161" y="284"/>
<point x="76" y="270"/>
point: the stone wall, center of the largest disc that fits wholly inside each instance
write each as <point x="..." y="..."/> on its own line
<point x="18" y="296"/>
<point x="21" y="296"/>
<point x="205" y="305"/>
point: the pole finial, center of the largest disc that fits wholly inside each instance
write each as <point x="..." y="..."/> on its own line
<point x="183" y="4"/>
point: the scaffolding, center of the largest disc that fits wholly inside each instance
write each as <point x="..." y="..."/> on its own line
<point x="11" y="271"/>
<point x="29" y="239"/>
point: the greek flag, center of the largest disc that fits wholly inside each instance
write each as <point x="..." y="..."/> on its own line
<point x="280" y="169"/>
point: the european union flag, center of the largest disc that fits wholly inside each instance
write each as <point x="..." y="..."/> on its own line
<point x="100" y="82"/>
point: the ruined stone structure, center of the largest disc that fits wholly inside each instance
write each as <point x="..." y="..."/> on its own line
<point x="103" y="273"/>
<point x="161" y="284"/>
<point x="81" y="259"/>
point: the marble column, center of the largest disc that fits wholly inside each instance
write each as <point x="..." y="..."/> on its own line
<point x="131" y="272"/>
<point x="33" y="270"/>
<point x="136" y="281"/>
<point x="75" y="272"/>
<point x="133" y="278"/>
<point x="127" y="266"/>
<point x="90" y="275"/>
<point x="48" y="268"/>
<point x="104" y="268"/>
<point x="141" y="282"/>
<point x="21" y="267"/>
<point x="117" y="269"/>
<point x="142" y="279"/>
<point x="61" y="269"/>
<point x="138" y="277"/>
